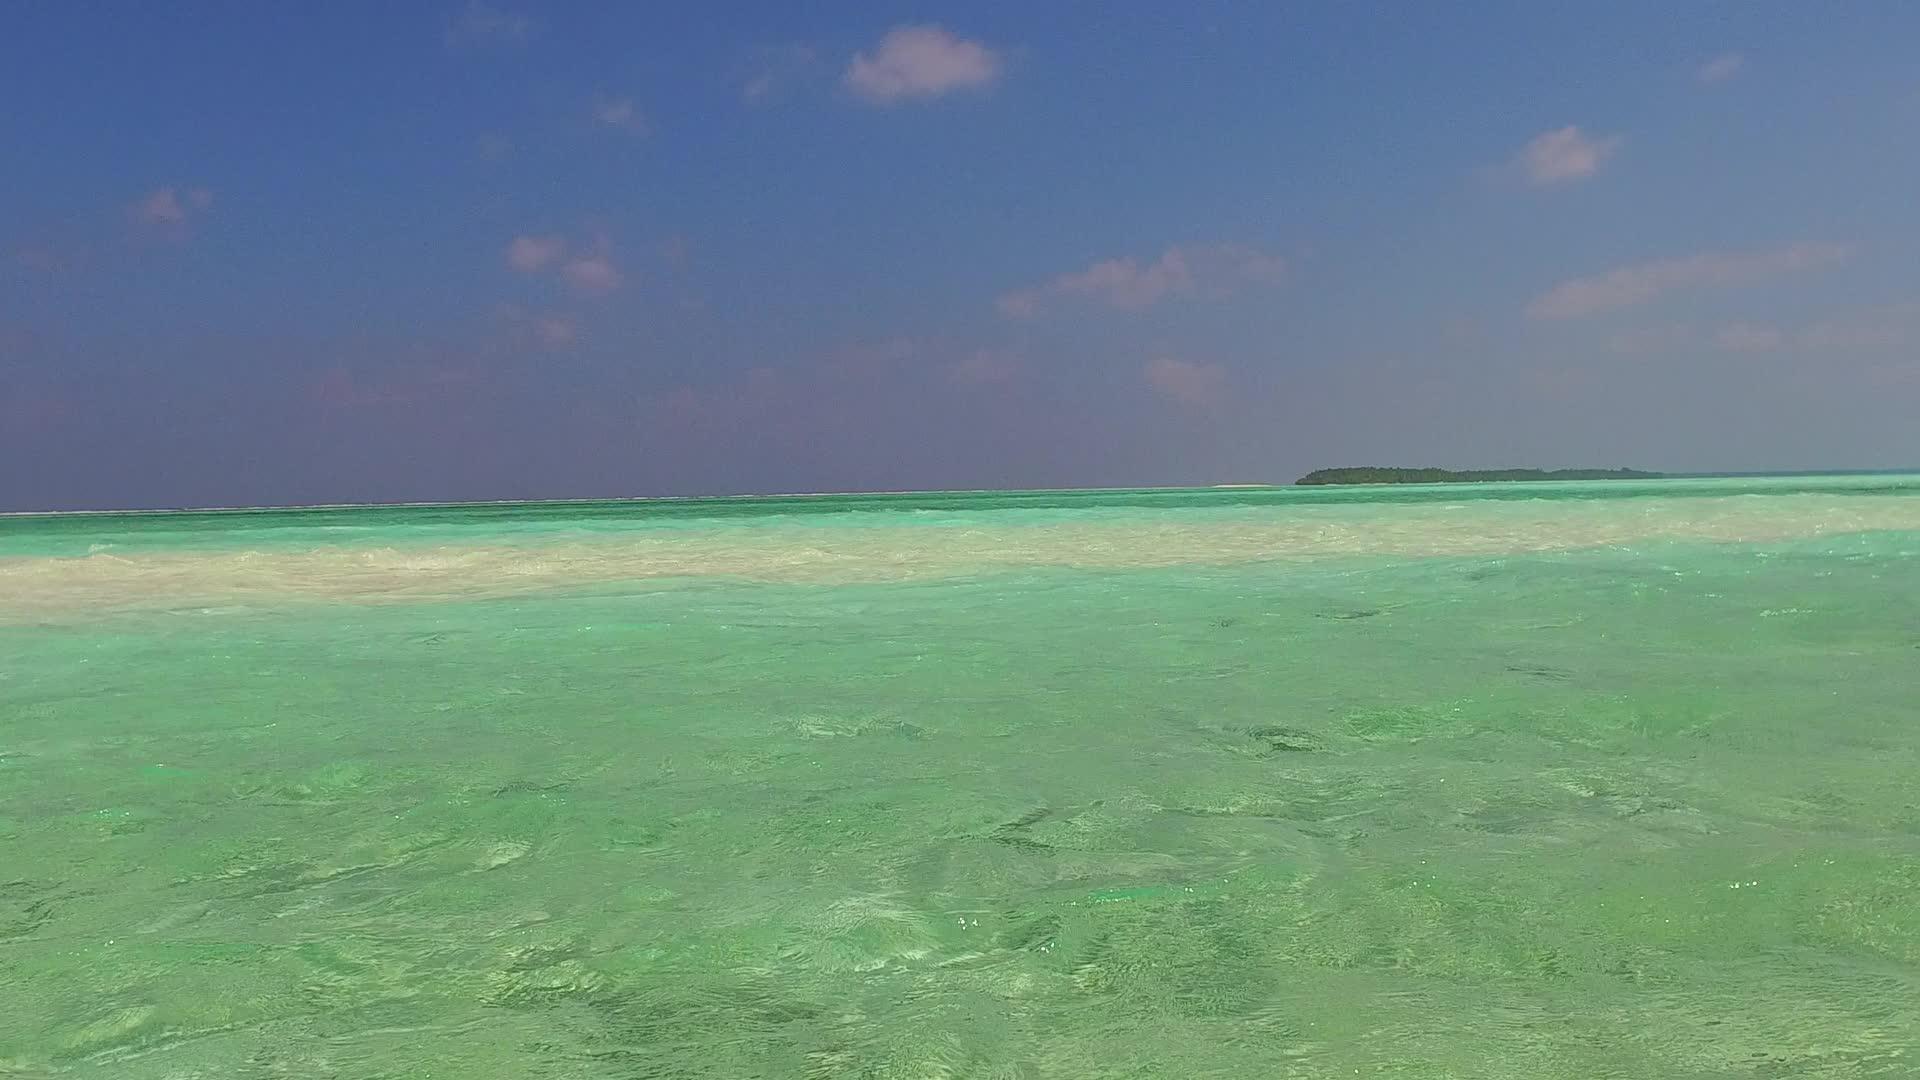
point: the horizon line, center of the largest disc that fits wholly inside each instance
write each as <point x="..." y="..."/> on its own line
<point x="454" y="504"/>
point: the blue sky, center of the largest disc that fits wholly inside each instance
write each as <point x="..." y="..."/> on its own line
<point x="277" y="253"/>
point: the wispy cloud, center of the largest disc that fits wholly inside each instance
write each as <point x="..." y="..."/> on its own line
<point x="1129" y="284"/>
<point x="556" y="329"/>
<point x="1630" y="285"/>
<point x="1720" y="68"/>
<point x="1564" y="155"/>
<point x="530" y="254"/>
<point x="481" y="24"/>
<point x="593" y="271"/>
<point x="172" y="205"/>
<point x="589" y="269"/>
<point x="1194" y="384"/>
<point x="1883" y="327"/>
<point x="920" y="62"/>
<point x="985" y="367"/>
<point x="621" y="113"/>
<point x="592" y="274"/>
<point x="161" y="208"/>
<point x="550" y="329"/>
<point x="774" y="70"/>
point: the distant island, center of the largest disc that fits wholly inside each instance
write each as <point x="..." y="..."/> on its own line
<point x="1466" y="476"/>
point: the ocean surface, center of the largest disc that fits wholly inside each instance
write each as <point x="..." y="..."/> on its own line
<point x="1521" y="781"/>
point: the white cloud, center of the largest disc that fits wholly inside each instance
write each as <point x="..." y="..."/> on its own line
<point x="531" y="254"/>
<point x="481" y="24"/>
<point x="556" y="330"/>
<point x="1129" y="284"/>
<point x="590" y="270"/>
<point x="172" y="206"/>
<point x="1630" y="285"/>
<point x="920" y="62"/>
<point x="162" y="208"/>
<point x="621" y="113"/>
<point x="594" y="273"/>
<point x="1720" y="68"/>
<point x="1565" y="155"/>
<point x="1121" y="283"/>
<point x="1198" y="385"/>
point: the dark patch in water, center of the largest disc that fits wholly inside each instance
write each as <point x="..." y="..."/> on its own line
<point x="1541" y="672"/>
<point x="535" y="957"/>
<point x="1014" y="833"/>
<point x="653" y="1030"/>
<point x="1226" y="622"/>
<point x="530" y="787"/>
<point x="1345" y="616"/>
<point x="1029" y="819"/>
<point x="1499" y="822"/>
<point x="1029" y="932"/>
<point x="1286" y="739"/>
<point x="27" y="920"/>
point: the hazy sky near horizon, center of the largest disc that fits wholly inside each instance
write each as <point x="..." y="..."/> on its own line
<point x="279" y="253"/>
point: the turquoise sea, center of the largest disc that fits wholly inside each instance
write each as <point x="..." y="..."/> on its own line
<point x="1523" y="781"/>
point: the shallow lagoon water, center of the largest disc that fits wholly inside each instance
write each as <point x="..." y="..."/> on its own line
<point x="1586" y="780"/>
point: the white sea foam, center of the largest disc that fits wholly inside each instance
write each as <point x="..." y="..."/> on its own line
<point x="843" y="548"/>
